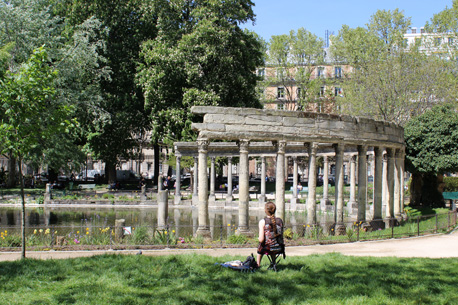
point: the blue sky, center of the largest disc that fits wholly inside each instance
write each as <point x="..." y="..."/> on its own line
<point x="275" y="17"/>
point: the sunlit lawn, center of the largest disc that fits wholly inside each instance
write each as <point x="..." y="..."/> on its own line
<point x="195" y="279"/>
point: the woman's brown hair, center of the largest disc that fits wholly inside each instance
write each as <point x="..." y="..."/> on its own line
<point x="270" y="209"/>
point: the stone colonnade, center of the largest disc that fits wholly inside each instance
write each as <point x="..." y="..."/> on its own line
<point x="311" y="134"/>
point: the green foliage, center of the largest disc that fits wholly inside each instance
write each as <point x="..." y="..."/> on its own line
<point x="431" y="141"/>
<point x="202" y="57"/>
<point x="411" y="212"/>
<point x="288" y="233"/>
<point x="141" y="236"/>
<point x="237" y="239"/>
<point x="164" y="237"/>
<point x="451" y="184"/>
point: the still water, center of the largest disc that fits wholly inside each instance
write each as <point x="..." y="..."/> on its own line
<point x="179" y="219"/>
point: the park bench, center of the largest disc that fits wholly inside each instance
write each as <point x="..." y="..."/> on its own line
<point x="452" y="197"/>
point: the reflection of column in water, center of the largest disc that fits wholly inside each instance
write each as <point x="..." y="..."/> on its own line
<point x="176" y="219"/>
<point x="195" y="217"/>
<point x="227" y="222"/>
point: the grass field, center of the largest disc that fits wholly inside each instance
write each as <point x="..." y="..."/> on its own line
<point x="195" y="279"/>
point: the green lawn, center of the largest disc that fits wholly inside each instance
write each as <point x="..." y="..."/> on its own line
<point x="194" y="279"/>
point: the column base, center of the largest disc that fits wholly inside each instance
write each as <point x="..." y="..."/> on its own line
<point x="229" y="198"/>
<point x="212" y="199"/>
<point x="204" y="232"/>
<point x="341" y="229"/>
<point x="391" y="222"/>
<point x="195" y="200"/>
<point x="177" y="199"/>
<point x="325" y="205"/>
<point x="377" y="224"/>
<point x="352" y="207"/>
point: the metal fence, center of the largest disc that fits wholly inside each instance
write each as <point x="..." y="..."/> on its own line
<point x="99" y="235"/>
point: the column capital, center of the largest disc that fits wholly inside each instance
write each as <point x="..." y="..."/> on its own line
<point x="280" y="146"/>
<point x="312" y="148"/>
<point x="243" y="145"/>
<point x="353" y="158"/>
<point x="339" y="148"/>
<point x="202" y="145"/>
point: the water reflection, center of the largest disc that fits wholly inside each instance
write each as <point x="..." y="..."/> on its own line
<point x="181" y="220"/>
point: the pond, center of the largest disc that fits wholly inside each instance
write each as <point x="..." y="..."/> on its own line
<point x="183" y="221"/>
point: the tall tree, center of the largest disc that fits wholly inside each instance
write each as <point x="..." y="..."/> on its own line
<point x="27" y="24"/>
<point x="123" y="128"/>
<point x="200" y="56"/>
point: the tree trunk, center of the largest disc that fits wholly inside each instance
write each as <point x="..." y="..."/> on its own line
<point x="156" y="162"/>
<point x="415" y="189"/>
<point x="11" y="172"/>
<point x="23" y="209"/>
<point x="110" y="172"/>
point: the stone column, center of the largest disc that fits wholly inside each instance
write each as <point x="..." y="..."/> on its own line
<point x="352" y="204"/>
<point x="178" y="181"/>
<point x="362" y="182"/>
<point x="311" y="195"/>
<point x="280" y="179"/>
<point x="162" y="209"/>
<point x="402" y="171"/>
<point x="397" y="183"/>
<point x="195" y="195"/>
<point x="244" y="189"/>
<point x="385" y="185"/>
<point x="262" y="198"/>
<point x="203" y="229"/>
<point x="339" y="186"/>
<point x="229" y="196"/>
<point x="212" y="197"/>
<point x="390" y="182"/>
<point x="295" y="195"/>
<point x="378" y="182"/>
<point x="325" y="200"/>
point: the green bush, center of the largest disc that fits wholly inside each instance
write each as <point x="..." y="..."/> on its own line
<point x="237" y="239"/>
<point x="451" y="184"/>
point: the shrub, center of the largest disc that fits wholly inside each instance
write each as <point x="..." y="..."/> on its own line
<point x="451" y="184"/>
<point x="237" y="239"/>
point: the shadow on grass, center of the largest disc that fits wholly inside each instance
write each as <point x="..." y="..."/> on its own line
<point x="194" y="279"/>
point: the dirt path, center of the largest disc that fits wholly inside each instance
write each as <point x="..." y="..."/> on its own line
<point x="432" y="246"/>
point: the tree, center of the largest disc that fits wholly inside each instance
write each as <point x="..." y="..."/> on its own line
<point x="27" y="24"/>
<point x="431" y="151"/>
<point x="293" y="59"/>
<point x="122" y="130"/>
<point x="389" y="80"/>
<point x="24" y="95"/>
<point x="200" y="56"/>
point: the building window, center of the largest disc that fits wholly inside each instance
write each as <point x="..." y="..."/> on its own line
<point x="320" y="72"/>
<point x="322" y="91"/>
<point x="337" y="91"/>
<point x="280" y="92"/>
<point x="261" y="73"/>
<point x="338" y="72"/>
<point x="280" y="106"/>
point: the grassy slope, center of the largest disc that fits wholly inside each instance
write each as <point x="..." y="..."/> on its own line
<point x="194" y="279"/>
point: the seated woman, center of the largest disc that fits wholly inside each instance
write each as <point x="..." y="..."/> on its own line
<point x="270" y="234"/>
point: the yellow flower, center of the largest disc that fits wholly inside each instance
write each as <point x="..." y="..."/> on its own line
<point x="35" y="231"/>
<point x="47" y="231"/>
<point x="87" y="229"/>
<point x="41" y="230"/>
<point x="77" y="232"/>
<point x="165" y="232"/>
<point x="87" y="233"/>
<point x="55" y="232"/>
<point x="173" y="231"/>
<point x="228" y="224"/>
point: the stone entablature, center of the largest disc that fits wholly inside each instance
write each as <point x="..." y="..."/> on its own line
<point x="274" y="125"/>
